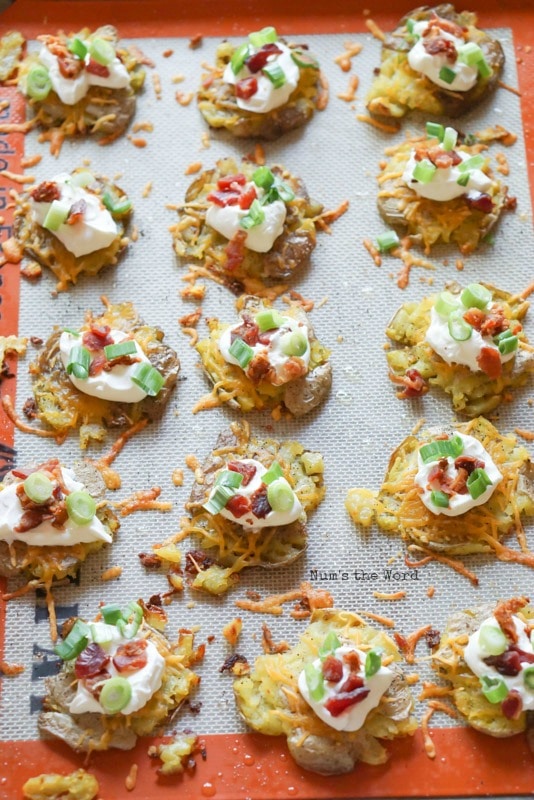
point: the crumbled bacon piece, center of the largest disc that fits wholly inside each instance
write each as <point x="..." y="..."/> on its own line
<point x="443" y="159"/>
<point x="437" y="477"/>
<point x="414" y="384"/>
<point x="258" y="61"/>
<point x="149" y="560"/>
<point x="91" y="661"/>
<point x="259" y="503"/>
<point x="247" y="198"/>
<point x="469" y="463"/>
<point x="196" y="560"/>
<point x="480" y="201"/>
<point x="231" y="661"/>
<point x="512" y="706"/>
<point x="97" y="337"/>
<point x="235" y="250"/>
<point x="259" y="367"/>
<point x="494" y="323"/>
<point x="339" y="703"/>
<point x="94" y="68"/>
<point x="332" y="669"/>
<point x="432" y="638"/>
<point x="126" y="359"/>
<point x="31" y="519"/>
<point x="352" y="660"/>
<point x="131" y="656"/>
<point x="231" y="182"/>
<point x="238" y="505"/>
<point x="246" y="470"/>
<point x="30" y="408"/>
<point x="459" y="484"/>
<point x="70" y="67"/>
<point x="248" y="331"/>
<point x="97" y="364"/>
<point x="77" y="211"/>
<point x="447" y="25"/>
<point x="246" y="88"/>
<point x="510" y="203"/>
<point x="504" y="613"/>
<point x="46" y="192"/>
<point x="489" y="361"/>
<point x="475" y="317"/>
<point x="509" y="662"/>
<point x="224" y="199"/>
<point x="438" y="45"/>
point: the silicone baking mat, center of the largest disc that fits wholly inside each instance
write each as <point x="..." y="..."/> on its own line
<point x="356" y="429"/>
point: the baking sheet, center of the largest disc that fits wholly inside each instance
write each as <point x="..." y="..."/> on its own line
<point x="356" y="429"/>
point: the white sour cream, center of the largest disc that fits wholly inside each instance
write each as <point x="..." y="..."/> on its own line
<point x="474" y="656"/>
<point x="453" y="352"/>
<point x="431" y="65"/>
<point x="273" y="518"/>
<point x="458" y="503"/>
<point x="260" y="238"/>
<point x="94" y="231"/>
<point x="354" y="716"/>
<point x="444" y="185"/>
<point x="117" y="384"/>
<point x="267" y="97"/>
<point x="71" y="90"/>
<point x="144" y="682"/>
<point x="277" y="358"/>
<point x="45" y="535"/>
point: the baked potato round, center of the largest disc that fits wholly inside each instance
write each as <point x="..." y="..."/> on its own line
<point x="233" y="385"/>
<point x="398" y="89"/>
<point x="227" y="547"/>
<point x="230" y="261"/>
<point x="472" y="393"/>
<point x="270" y="703"/>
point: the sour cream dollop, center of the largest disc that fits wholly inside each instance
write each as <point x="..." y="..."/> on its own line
<point x="458" y="503"/>
<point x="267" y="96"/>
<point x="71" y="90"/>
<point x="144" y="682"/>
<point x="115" y="384"/>
<point x="260" y="238"/>
<point x="431" y="64"/>
<point x="474" y="655"/>
<point x="95" y="230"/>
<point x="444" y="185"/>
<point x="354" y="716"/>
<point x="45" y="535"/>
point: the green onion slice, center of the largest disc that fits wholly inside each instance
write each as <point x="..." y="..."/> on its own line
<point x="130" y="620"/>
<point x="268" y="319"/>
<point x="314" y="682"/>
<point x="82" y="178"/>
<point x="38" y="487"/>
<point x="56" y="216"/>
<point x="78" y="47"/>
<point x="435" y="129"/>
<point x="477" y="483"/>
<point x="447" y="75"/>
<point x="475" y="162"/>
<point x="446" y="303"/>
<point x="100" y="636"/>
<point x="275" y="73"/>
<point x="279" y="191"/>
<point x="227" y="477"/>
<point x="219" y="498"/>
<point x="441" y="448"/>
<point x="304" y="60"/>
<point x="373" y="662"/>
<point x="410" y="25"/>
<point x="464" y="179"/>
<point x="101" y="51"/>
<point x="116" y="205"/>
<point x="239" y="56"/>
<point x="111" y="613"/>
<point x="439" y="499"/>
<point x="265" y="36"/>
<point x="484" y="69"/>
<point x="38" y="83"/>
<point x="255" y="216"/>
<point x="126" y="348"/>
<point x="528" y="677"/>
<point x="424" y="171"/>
<point x="476" y="296"/>
<point x="493" y="689"/>
<point x="81" y="507"/>
<point x="459" y="329"/>
<point x="280" y="495"/>
<point x="330" y="645"/>
<point x="76" y="641"/>
<point x="387" y="241"/>
<point x="72" y="331"/>
<point x="263" y="177"/>
<point x="115" y="694"/>
<point x="508" y="345"/>
<point x="274" y="472"/>
<point x="450" y="137"/>
<point x="492" y="640"/>
<point x="79" y="362"/>
<point x="470" y="53"/>
<point x="294" y="343"/>
<point x="242" y="352"/>
<point x="148" y="378"/>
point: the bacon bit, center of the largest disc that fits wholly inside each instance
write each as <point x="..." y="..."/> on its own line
<point x="510" y="203"/>
<point x="7" y="405"/>
<point x="137" y="141"/>
<point x="413" y="382"/>
<point x="430" y="592"/>
<point x="407" y="644"/>
<point x="143" y="500"/>
<point x="193" y="168"/>
<point x="350" y="95"/>
<point x="235" y="250"/>
<point x="156" y="82"/>
<point x="382" y="126"/>
<point x="195" y="292"/>
<point x="323" y="95"/>
<point x="195" y="41"/>
<point x="432" y="638"/>
<point x="77" y="211"/>
<point x="167" y="53"/>
<point x="489" y="361"/>
<point x="10" y="670"/>
<point x="12" y="250"/>
<point x="503" y="614"/>
<point x="457" y="566"/>
<point x="509" y="88"/>
<point x="438" y="45"/>
<point x="191" y="320"/>
<point x="131" y="778"/>
<point x="373" y="252"/>
<point x="30" y="161"/>
<point x="232" y="631"/>
<point x="231" y="662"/>
<point x="184" y="99"/>
<point x="111" y="573"/>
<point x="149" y="560"/>
<point x="131" y="656"/>
<point x="246" y="87"/>
<point x="177" y="477"/>
<point x="400" y="595"/>
<point x="17" y="177"/>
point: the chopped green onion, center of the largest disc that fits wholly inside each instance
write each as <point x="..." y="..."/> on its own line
<point x="81" y="507"/>
<point x="470" y="53"/>
<point x="275" y="73"/>
<point x="492" y="640"/>
<point x="439" y="499"/>
<point x="450" y="138"/>
<point x="265" y="36"/>
<point x="101" y="51"/>
<point x="218" y="499"/>
<point x="489" y="239"/>
<point x="459" y="329"/>
<point x="71" y="331"/>
<point x="82" y="178"/>
<point x="56" y="216"/>
<point x="373" y="662"/>
<point x="78" y="47"/>
<point x="506" y="334"/>
<point x="111" y="613"/>
<point x="228" y="477"/>
<point x="116" y="205"/>
<point x="283" y="192"/>
<point x="493" y="689"/>
<point x="239" y="56"/>
<point x="274" y="472"/>
<point x="100" y="636"/>
<point x="464" y="179"/>
<point x="255" y="216"/>
<point x="484" y="69"/>
<point x="435" y="129"/>
<point x="115" y="694"/>
<point x="38" y="83"/>
<point x="447" y="75"/>
<point x="76" y="641"/>
<point x="475" y="162"/>
<point x="38" y="487"/>
<point x="268" y="319"/>
<point x="294" y="343"/>
<point x="130" y="620"/>
<point x="314" y="682"/>
<point x="477" y="483"/>
<point x="387" y="241"/>
<point x="148" y="378"/>
<point x="424" y="171"/>
<point x="476" y="296"/>
<point x="242" y="352"/>
<point x="79" y="362"/>
<point x="263" y="177"/>
<point x="330" y="644"/>
<point x="280" y="495"/>
<point x="528" y="677"/>
<point x="410" y="24"/>
<point x="446" y="304"/>
<point x="126" y="348"/>
<point x="508" y="345"/>
<point x="441" y="448"/>
<point x="304" y="60"/>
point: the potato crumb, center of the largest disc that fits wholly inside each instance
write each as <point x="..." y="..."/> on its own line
<point x="134" y="235"/>
<point x="177" y="477"/>
<point x="431" y="591"/>
<point x="502" y="161"/>
<point x="232" y="631"/>
<point x="205" y="140"/>
<point x="413" y="678"/>
<point x="184" y="98"/>
<point x="148" y="188"/>
<point x="340" y="339"/>
<point x="459" y="264"/>
<point x="193" y="168"/>
<point x="131" y="778"/>
<point x="111" y="573"/>
<point x="79" y="785"/>
<point x="167" y="53"/>
<point x="137" y="141"/>
<point x="156" y="82"/>
<point x="195" y="292"/>
<point x="192" y="462"/>
<point x="179" y="78"/>
<point x="142" y="126"/>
